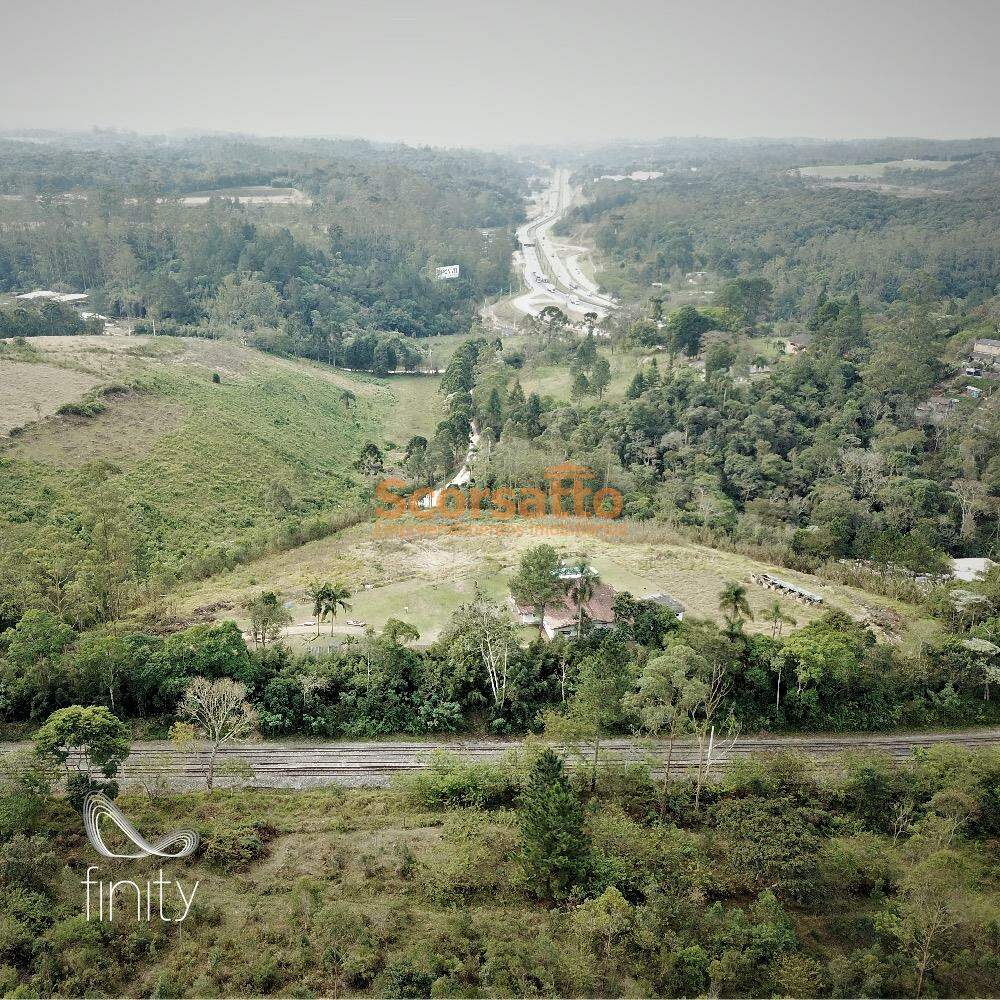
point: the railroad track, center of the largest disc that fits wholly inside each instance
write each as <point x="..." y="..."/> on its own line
<point x="302" y="765"/>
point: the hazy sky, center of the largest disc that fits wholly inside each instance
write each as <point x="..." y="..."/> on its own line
<point x="492" y="73"/>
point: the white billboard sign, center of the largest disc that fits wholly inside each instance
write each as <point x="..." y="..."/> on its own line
<point x="451" y="271"/>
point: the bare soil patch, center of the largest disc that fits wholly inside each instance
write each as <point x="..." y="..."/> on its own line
<point x="31" y="392"/>
<point x="122" y="434"/>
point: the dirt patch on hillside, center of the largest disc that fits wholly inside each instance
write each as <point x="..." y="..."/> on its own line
<point x="31" y="392"/>
<point x="122" y="434"/>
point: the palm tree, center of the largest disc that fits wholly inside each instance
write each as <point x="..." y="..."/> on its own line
<point x="777" y="617"/>
<point x="733" y="603"/>
<point x="336" y="598"/>
<point x="582" y="589"/>
<point x="318" y="595"/>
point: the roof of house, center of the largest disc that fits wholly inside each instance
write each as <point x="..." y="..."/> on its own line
<point x="523" y="609"/>
<point x="600" y="608"/>
<point x="987" y="342"/>
<point x="667" y="601"/>
<point x="571" y="571"/>
<point x="801" y="340"/>
<point x="971" y="568"/>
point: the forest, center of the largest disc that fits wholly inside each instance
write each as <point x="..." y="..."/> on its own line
<point x="739" y="211"/>
<point x="355" y="253"/>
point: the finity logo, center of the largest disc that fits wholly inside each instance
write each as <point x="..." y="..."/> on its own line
<point x="97" y="806"/>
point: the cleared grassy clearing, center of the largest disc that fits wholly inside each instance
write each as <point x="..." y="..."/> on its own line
<point x="206" y="465"/>
<point x="556" y="380"/>
<point x="31" y="392"/>
<point x="423" y="580"/>
<point x="416" y="408"/>
<point x="873" y="170"/>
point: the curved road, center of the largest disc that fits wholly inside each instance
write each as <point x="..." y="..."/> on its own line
<point x="304" y="765"/>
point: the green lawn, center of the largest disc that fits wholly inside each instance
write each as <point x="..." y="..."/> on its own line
<point x="416" y="408"/>
<point x="556" y="381"/>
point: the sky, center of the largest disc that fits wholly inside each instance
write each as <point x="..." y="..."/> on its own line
<point x="494" y="74"/>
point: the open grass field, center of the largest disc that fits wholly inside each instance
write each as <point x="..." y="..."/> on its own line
<point x="254" y="195"/>
<point x="416" y="408"/>
<point x="423" y="580"/>
<point x="872" y="171"/>
<point x="30" y="392"/>
<point x="556" y="380"/>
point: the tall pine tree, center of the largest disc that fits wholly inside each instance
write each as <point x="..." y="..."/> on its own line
<point x="555" y="849"/>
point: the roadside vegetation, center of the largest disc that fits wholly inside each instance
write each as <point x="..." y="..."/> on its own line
<point x="527" y="879"/>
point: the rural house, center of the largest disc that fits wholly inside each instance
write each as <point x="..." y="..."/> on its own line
<point x="561" y="617"/>
<point x="668" y="602"/>
<point x="526" y="614"/>
<point x="798" y="343"/>
<point x="987" y="352"/>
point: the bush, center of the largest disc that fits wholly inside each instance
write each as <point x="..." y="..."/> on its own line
<point x="450" y="781"/>
<point x="237" y="846"/>
<point x="84" y="408"/>
<point x="765" y="842"/>
<point x="471" y="860"/>
<point x="861" y="865"/>
<point x="634" y="858"/>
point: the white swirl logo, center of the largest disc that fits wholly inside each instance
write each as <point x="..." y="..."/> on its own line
<point x="97" y="806"/>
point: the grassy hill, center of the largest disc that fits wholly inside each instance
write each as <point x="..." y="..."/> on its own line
<point x="206" y="466"/>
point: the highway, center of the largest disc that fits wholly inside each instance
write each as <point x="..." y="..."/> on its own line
<point x="560" y="280"/>
<point x="297" y="764"/>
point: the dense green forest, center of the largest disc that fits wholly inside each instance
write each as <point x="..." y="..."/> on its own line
<point x="736" y="210"/>
<point x="354" y="252"/>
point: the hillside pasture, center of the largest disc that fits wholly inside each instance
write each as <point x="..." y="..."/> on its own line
<point x="208" y="467"/>
<point x="253" y="195"/>
<point x="872" y="171"/>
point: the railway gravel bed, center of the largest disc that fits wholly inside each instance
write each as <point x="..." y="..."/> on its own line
<point x="364" y="764"/>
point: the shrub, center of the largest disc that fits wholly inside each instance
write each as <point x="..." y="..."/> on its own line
<point x="471" y="860"/>
<point x="450" y="781"/>
<point x="237" y="846"/>
<point x="767" y="842"/>
<point x="861" y="865"/>
<point x="634" y="858"/>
